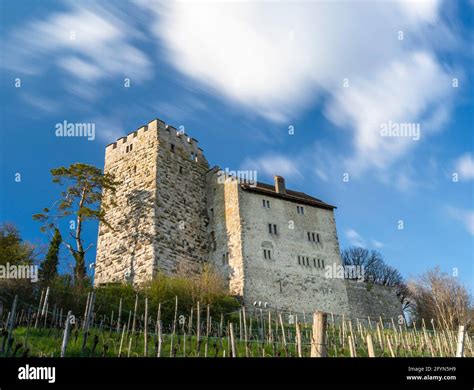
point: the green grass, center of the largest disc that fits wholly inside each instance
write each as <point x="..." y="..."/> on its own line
<point x="47" y="342"/>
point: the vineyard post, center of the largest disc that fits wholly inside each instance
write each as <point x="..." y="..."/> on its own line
<point x="11" y="324"/>
<point x="232" y="341"/>
<point x="145" y="333"/>
<point x="119" y="315"/>
<point x="370" y="345"/>
<point x="244" y="319"/>
<point x="460" y="344"/>
<point x="39" y="308"/>
<point x="318" y="339"/>
<point x="134" y="314"/>
<point x="69" y="318"/>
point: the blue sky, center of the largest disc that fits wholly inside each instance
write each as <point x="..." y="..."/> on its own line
<point x="238" y="76"/>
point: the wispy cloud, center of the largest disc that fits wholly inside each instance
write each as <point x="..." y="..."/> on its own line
<point x="354" y="238"/>
<point x="85" y="44"/>
<point x="273" y="164"/>
<point x="464" y="166"/>
<point x="277" y="63"/>
<point x="466" y="217"/>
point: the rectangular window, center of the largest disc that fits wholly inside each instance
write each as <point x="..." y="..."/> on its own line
<point x="267" y="254"/>
<point x="272" y="229"/>
<point x="322" y="264"/>
<point x="299" y="260"/>
<point x="264" y="203"/>
<point x="225" y="258"/>
<point x="318" y="238"/>
<point x="309" y="236"/>
<point x="302" y="209"/>
<point x="314" y="238"/>
<point x="172" y="148"/>
<point x="131" y="147"/>
<point x="314" y="262"/>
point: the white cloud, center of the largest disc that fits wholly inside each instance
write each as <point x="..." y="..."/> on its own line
<point x="277" y="58"/>
<point x="354" y="238"/>
<point x="88" y="43"/>
<point x="466" y="217"/>
<point x="273" y="164"/>
<point x="465" y="167"/>
<point x="377" y="244"/>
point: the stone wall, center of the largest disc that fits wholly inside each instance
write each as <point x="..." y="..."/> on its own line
<point x="159" y="221"/>
<point x="282" y="281"/>
<point x="373" y="300"/>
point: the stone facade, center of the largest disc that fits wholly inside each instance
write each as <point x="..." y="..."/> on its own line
<point x="270" y="244"/>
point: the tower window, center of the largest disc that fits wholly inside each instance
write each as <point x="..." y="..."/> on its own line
<point x="267" y="254"/>
<point x="172" y="148"/>
<point x="180" y="170"/>
<point x="225" y="258"/>
<point x="300" y="209"/>
<point x="272" y="229"/>
<point x="266" y="203"/>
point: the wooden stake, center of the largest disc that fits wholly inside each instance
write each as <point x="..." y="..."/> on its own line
<point x="318" y="339"/>
<point x="370" y="346"/>
<point x="145" y="332"/>
<point x="66" y="333"/>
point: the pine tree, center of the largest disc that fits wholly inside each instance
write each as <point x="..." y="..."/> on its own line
<point x="49" y="266"/>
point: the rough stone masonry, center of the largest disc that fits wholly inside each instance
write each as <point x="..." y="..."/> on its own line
<point x="272" y="245"/>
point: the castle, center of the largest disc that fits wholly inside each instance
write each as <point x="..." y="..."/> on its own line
<point x="272" y="245"/>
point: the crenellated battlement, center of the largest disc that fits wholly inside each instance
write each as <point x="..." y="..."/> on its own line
<point x="165" y="133"/>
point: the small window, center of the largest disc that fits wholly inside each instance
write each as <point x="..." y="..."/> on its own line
<point x="322" y="264"/>
<point x="211" y="211"/>
<point x="270" y="228"/>
<point x="275" y="229"/>
<point x="131" y="147"/>
<point x="314" y="262"/>
<point x="319" y="263"/>
<point x="181" y="170"/>
<point x="264" y="203"/>
<point x="314" y="237"/>
<point x="172" y="148"/>
<point x="135" y="169"/>
<point x="309" y="236"/>
<point x="126" y="149"/>
<point x="300" y="209"/>
<point x="225" y="258"/>
<point x="213" y="241"/>
<point x="318" y="238"/>
<point x="267" y="254"/>
<point x="299" y="260"/>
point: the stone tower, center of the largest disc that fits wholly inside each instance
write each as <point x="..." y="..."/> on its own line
<point x="159" y="220"/>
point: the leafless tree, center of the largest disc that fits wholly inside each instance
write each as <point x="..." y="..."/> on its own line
<point x="440" y="297"/>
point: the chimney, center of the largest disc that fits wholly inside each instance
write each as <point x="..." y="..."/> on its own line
<point x="280" y="185"/>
